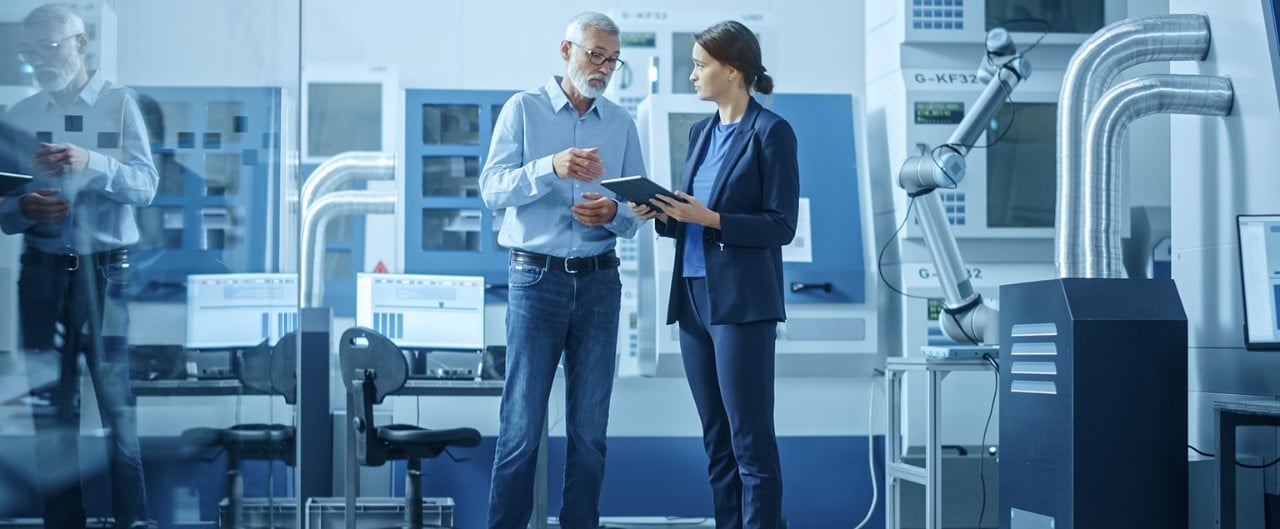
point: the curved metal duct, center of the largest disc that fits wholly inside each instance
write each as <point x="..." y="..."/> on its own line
<point x="1099" y="252"/>
<point x="314" y="222"/>
<point x="343" y="168"/>
<point x="1093" y="67"/>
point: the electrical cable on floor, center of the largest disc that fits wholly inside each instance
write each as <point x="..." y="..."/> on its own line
<point x="871" y="454"/>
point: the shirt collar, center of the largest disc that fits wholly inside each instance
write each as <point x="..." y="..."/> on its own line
<point x="559" y="100"/>
<point x="88" y="93"/>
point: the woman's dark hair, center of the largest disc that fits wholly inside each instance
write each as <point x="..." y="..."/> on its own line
<point x="734" y="44"/>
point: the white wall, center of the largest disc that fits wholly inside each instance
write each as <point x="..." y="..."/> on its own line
<point x="513" y="44"/>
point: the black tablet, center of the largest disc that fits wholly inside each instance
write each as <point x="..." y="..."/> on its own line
<point x="636" y="189"/>
<point x="11" y="181"/>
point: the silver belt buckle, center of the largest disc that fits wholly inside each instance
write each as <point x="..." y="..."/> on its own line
<point x="566" y="266"/>
<point x="74" y="259"/>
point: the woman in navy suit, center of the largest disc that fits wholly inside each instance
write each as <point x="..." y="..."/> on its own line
<point x="737" y="209"/>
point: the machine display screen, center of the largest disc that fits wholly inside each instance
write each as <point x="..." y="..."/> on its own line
<point x="1053" y="16"/>
<point x="939" y="113"/>
<point x="240" y="310"/>
<point x="1259" y="238"/>
<point x="639" y="39"/>
<point x="1021" y="162"/>
<point x="423" y="311"/>
<point x="678" y="125"/>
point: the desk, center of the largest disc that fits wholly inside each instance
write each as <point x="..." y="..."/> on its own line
<point x="1227" y="417"/>
<point x="191" y="388"/>
<point x="896" y="470"/>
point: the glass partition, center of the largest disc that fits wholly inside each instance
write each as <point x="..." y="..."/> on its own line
<point x="149" y="268"/>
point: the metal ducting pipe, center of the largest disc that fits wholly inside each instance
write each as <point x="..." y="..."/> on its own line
<point x="1092" y="70"/>
<point x="343" y="168"/>
<point x="316" y="219"/>
<point x="1099" y="254"/>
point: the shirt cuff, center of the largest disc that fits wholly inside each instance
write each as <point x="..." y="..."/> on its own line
<point x="543" y="170"/>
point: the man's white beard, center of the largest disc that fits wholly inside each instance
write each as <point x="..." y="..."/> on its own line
<point x="582" y="81"/>
<point x="64" y="74"/>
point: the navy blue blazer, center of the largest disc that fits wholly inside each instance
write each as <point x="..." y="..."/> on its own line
<point x="757" y="194"/>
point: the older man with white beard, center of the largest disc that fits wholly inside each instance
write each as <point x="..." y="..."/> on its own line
<point x="93" y="168"/>
<point x="551" y="146"/>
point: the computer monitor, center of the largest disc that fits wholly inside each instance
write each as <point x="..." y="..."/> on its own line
<point x="229" y="311"/>
<point x="1259" y="241"/>
<point x="423" y="312"/>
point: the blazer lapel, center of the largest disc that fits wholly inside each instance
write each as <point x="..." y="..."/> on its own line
<point x="691" y="162"/>
<point x="741" y="134"/>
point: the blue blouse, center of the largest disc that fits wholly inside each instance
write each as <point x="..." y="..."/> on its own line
<point x="704" y="179"/>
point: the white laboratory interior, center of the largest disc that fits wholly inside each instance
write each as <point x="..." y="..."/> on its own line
<point x="752" y="264"/>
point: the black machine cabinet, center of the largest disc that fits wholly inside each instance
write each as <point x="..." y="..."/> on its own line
<point x="1093" y="405"/>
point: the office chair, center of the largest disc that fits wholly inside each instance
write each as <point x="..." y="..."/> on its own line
<point x="373" y="367"/>
<point x="263" y="370"/>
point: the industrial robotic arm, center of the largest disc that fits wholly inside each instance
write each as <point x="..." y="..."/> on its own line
<point x="965" y="317"/>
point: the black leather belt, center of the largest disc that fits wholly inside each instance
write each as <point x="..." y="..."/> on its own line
<point x="572" y="265"/>
<point x="71" y="261"/>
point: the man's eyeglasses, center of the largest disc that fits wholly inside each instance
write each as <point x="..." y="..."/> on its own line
<point x="43" y="50"/>
<point x="599" y="58"/>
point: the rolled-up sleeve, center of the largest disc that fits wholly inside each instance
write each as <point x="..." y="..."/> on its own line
<point x="507" y="179"/>
<point x="131" y="180"/>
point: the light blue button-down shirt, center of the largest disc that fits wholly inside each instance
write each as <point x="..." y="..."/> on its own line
<point x="119" y="176"/>
<point x="533" y="126"/>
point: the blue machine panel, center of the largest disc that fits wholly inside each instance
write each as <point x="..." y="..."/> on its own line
<point x="824" y="126"/>
<point x="447" y="228"/>
<point x="217" y="152"/>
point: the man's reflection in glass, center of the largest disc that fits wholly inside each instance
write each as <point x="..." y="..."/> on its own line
<point x="93" y="167"/>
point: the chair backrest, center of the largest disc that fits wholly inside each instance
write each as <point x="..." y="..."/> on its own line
<point x="255" y="368"/>
<point x="271" y="370"/>
<point x="284" y="367"/>
<point x="372" y="368"/>
<point x="364" y="349"/>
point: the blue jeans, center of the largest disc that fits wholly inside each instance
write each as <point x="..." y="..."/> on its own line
<point x="63" y="315"/>
<point x="730" y="370"/>
<point x="548" y="312"/>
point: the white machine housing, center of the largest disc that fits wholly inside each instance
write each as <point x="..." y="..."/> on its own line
<point x="664" y="124"/>
<point x="656" y="46"/>
<point x="918" y="79"/>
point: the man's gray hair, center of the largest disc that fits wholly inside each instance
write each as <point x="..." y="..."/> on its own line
<point x="577" y="30"/>
<point x="59" y="14"/>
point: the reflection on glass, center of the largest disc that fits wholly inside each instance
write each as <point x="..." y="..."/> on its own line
<point x="450" y="176"/>
<point x="76" y="275"/>
<point x="1054" y="16"/>
<point x="160" y="228"/>
<point x="337" y="265"/>
<point x="1021" y="182"/>
<point x="451" y="229"/>
<point x="451" y="124"/>
<point x="227" y="118"/>
<point x="222" y="174"/>
<point x="340" y="229"/>
<point x="495" y="111"/>
<point x="343" y="117"/>
<point x="219" y="229"/>
<point x="174" y="170"/>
